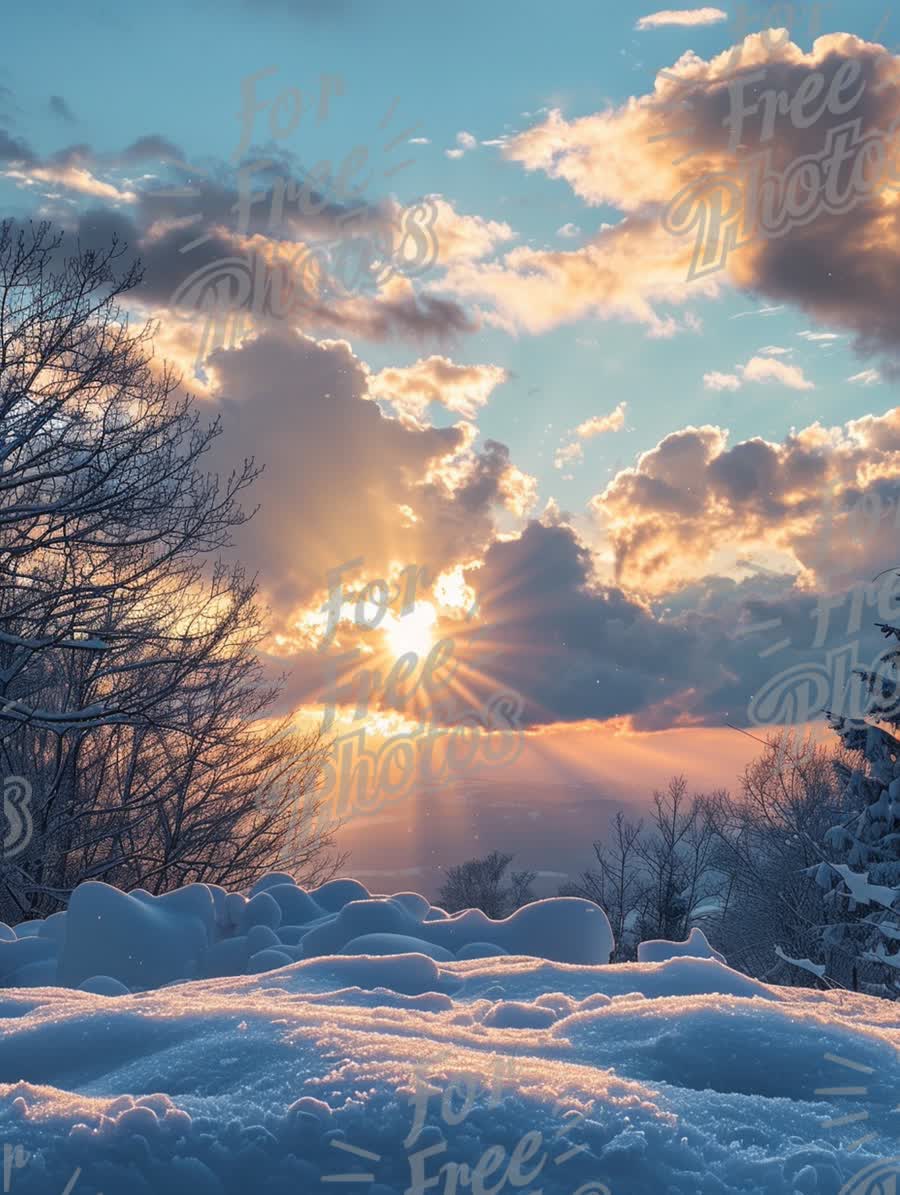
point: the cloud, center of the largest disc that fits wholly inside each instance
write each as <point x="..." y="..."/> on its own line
<point x="343" y="480"/>
<point x="13" y="149"/>
<point x="841" y="268"/>
<point x="573" y="648"/>
<point x="339" y="471"/>
<point x="70" y="178"/>
<point x="361" y="484"/>
<point x="184" y="231"/>
<point x="578" y="649"/>
<point x="721" y="381"/>
<point x="461" y="237"/>
<point x="759" y="311"/>
<point x="568" y="454"/>
<point x="625" y="271"/>
<point x="464" y="142"/>
<point x="685" y="17"/>
<point x="819" y="337"/>
<point x="71" y="169"/>
<point x="866" y="377"/>
<point x="183" y="223"/>
<point x="151" y="148"/>
<point x="463" y="389"/>
<point x="597" y="425"/>
<point x="766" y="633"/>
<point x="774" y="350"/>
<point x="568" y="230"/>
<point x="768" y="369"/>
<point x="694" y="505"/>
<point x="764" y="368"/>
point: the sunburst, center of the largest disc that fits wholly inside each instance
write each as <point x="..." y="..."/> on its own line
<point x="412" y="631"/>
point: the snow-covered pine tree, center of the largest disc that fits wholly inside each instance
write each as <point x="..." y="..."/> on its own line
<point x="861" y="870"/>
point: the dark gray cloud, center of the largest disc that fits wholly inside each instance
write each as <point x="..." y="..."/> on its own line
<point x="785" y="654"/>
<point x="151" y="147"/>
<point x="717" y="653"/>
<point x="575" y="650"/>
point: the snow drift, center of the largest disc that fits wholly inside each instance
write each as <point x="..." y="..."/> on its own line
<point x="142" y="941"/>
<point x="337" y="1064"/>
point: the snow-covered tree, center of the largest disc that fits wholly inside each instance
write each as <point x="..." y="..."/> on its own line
<point x="135" y="715"/>
<point x="860" y="871"/>
<point x="768" y="834"/>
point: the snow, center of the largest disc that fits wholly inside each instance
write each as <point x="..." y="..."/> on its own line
<point x="203" y="932"/>
<point x="696" y="946"/>
<point x="429" y="1070"/>
<point x="862" y="891"/>
<point x="805" y="964"/>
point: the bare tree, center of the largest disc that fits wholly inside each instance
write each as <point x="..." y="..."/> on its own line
<point x="677" y="861"/>
<point x="132" y="699"/>
<point x="658" y="880"/>
<point x="483" y="884"/>
<point x="616" y="885"/>
<point x="768" y="837"/>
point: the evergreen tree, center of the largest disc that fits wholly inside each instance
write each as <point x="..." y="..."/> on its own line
<point x="860" y="872"/>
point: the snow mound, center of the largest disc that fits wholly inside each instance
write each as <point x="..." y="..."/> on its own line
<point x="655" y="950"/>
<point x="109" y="942"/>
<point x="402" y="1074"/>
<point x="210" y="1043"/>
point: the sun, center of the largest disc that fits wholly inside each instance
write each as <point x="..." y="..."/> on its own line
<point x="411" y="632"/>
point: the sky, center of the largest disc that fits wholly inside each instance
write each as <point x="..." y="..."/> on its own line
<point x="644" y="504"/>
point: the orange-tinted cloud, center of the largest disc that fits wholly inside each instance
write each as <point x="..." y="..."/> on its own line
<point x="342" y="478"/>
<point x="411" y="389"/>
<point x="691" y="140"/>
<point x="597" y="425"/>
<point x="765" y="367"/>
<point x="688" y="18"/>
<point x="694" y="505"/>
<point x="627" y="271"/>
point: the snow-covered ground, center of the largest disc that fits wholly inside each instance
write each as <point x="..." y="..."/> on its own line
<point x="485" y="1057"/>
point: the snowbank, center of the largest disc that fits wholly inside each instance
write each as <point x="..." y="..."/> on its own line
<point x="387" y="1073"/>
<point x="110" y="941"/>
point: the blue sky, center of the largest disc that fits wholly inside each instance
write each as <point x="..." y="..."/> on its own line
<point x="176" y="69"/>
